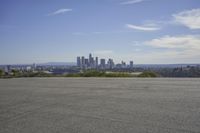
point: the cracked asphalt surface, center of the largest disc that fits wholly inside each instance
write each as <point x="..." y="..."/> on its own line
<point x="100" y="105"/>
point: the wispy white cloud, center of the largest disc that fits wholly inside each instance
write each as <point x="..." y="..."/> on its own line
<point x="184" y="42"/>
<point x="168" y="49"/>
<point x="131" y="2"/>
<point x="183" y="48"/>
<point x="100" y="32"/>
<point x="188" y="18"/>
<point x="143" y="27"/>
<point x="60" y="11"/>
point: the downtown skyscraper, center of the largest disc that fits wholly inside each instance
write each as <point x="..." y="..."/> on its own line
<point x="93" y="63"/>
<point x="87" y="63"/>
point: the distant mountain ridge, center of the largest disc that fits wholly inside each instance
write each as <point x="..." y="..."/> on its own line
<point x="57" y="64"/>
<point x="135" y="65"/>
<point x="164" y="65"/>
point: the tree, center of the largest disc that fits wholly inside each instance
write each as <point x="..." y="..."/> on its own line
<point x="148" y="74"/>
<point x="15" y="72"/>
<point x="1" y="73"/>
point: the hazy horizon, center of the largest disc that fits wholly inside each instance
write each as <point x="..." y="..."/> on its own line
<point x="145" y="31"/>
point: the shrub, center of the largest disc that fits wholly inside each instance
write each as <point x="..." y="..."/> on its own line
<point x="1" y="73"/>
<point x="92" y="73"/>
<point x="117" y="74"/>
<point x="148" y="74"/>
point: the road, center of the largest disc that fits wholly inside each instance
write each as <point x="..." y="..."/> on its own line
<point x="100" y="105"/>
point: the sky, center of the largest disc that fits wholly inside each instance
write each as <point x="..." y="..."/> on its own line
<point x="145" y="31"/>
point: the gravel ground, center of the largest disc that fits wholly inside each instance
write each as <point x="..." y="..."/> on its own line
<point x="100" y="105"/>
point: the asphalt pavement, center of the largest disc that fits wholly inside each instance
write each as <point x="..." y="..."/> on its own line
<point x="100" y="105"/>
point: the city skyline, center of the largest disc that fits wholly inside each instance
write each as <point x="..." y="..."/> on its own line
<point x="100" y="63"/>
<point x="145" y="31"/>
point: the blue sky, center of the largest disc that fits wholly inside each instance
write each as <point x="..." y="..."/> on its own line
<point x="145" y="31"/>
